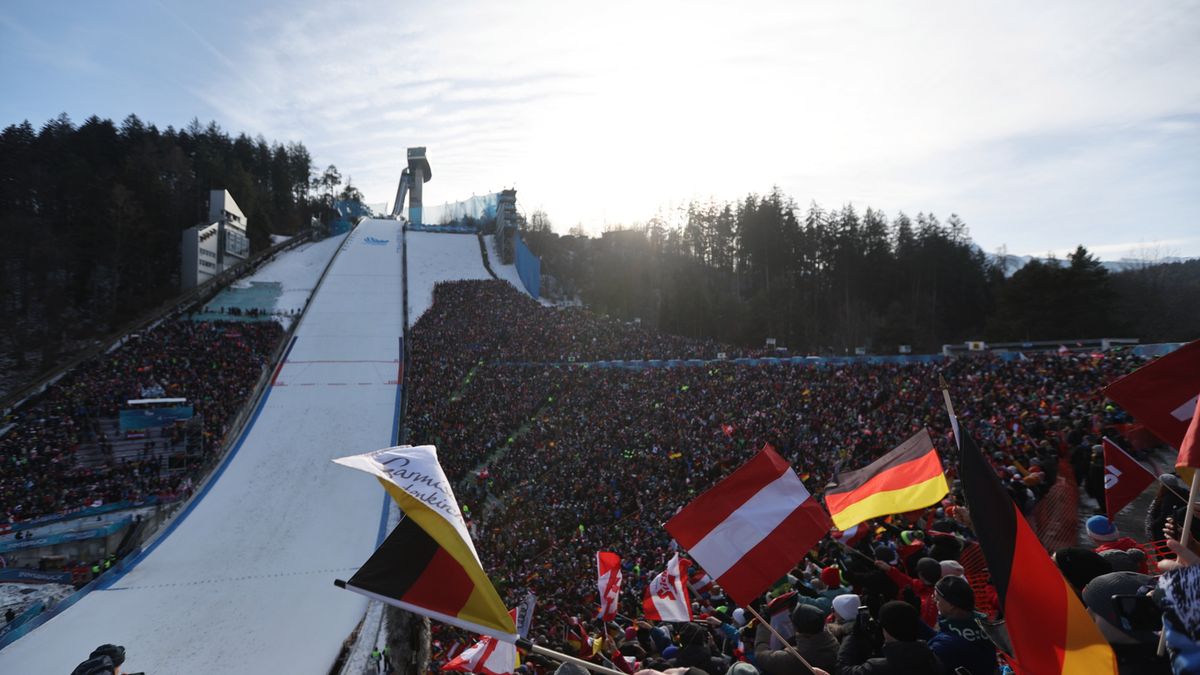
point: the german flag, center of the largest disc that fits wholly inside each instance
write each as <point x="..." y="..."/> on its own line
<point x="428" y="564"/>
<point x="1049" y="629"/>
<point x="907" y="478"/>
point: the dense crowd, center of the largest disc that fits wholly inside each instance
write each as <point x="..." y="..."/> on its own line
<point x="557" y="461"/>
<point x="214" y="365"/>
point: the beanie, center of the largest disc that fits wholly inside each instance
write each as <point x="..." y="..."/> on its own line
<point x="1098" y="598"/>
<point x="831" y="577"/>
<point x="846" y="606"/>
<point x="1100" y="528"/>
<point x="900" y="620"/>
<point x="1080" y="565"/>
<point x="739" y="616"/>
<point x="929" y="570"/>
<point x="808" y="619"/>
<point x="952" y="568"/>
<point x="956" y="591"/>
<point x="114" y="652"/>
<point x="885" y="554"/>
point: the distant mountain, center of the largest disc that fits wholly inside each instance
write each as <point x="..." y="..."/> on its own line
<point x="1012" y="263"/>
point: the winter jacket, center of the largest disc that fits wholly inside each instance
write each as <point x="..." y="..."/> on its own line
<point x="700" y="656"/>
<point x="820" y="650"/>
<point x="101" y="665"/>
<point x="899" y="658"/>
<point x="962" y="643"/>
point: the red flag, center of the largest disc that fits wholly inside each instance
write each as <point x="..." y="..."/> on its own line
<point x="1162" y="395"/>
<point x="666" y="597"/>
<point x="608" y="567"/>
<point x="1124" y="478"/>
<point x="752" y="527"/>
<point x="1189" y="449"/>
<point x="489" y="656"/>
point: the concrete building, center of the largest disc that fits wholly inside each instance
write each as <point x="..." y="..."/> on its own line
<point x="209" y="249"/>
<point x="412" y="181"/>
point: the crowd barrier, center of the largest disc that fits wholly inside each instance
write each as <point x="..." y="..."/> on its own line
<point x="65" y="537"/>
<point x="21" y="619"/>
<point x="29" y="576"/>
<point x="88" y="512"/>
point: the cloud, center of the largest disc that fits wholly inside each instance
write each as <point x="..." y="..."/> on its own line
<point x="608" y="111"/>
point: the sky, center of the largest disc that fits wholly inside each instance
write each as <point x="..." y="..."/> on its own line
<point x="1042" y="125"/>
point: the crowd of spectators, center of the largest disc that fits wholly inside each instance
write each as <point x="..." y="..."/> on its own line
<point x="558" y="459"/>
<point x="214" y="365"/>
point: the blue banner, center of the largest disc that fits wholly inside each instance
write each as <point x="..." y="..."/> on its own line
<point x="53" y="539"/>
<point x="153" y="418"/>
<point x="34" y="576"/>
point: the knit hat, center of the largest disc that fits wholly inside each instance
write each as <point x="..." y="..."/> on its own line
<point x="956" y="591"/>
<point x="929" y="570"/>
<point x="741" y="668"/>
<point x="952" y="568"/>
<point x="692" y="634"/>
<point x="568" y="668"/>
<point x="1125" y="561"/>
<point x="885" y="554"/>
<point x="739" y="616"/>
<point x="1098" y="598"/>
<point x="1100" y="528"/>
<point x="1080" y="565"/>
<point x="846" y="606"/>
<point x="808" y="619"/>
<point x="831" y="577"/>
<point x="900" y="620"/>
<point x="114" y="652"/>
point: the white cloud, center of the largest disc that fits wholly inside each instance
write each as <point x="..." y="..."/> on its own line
<point x="608" y="111"/>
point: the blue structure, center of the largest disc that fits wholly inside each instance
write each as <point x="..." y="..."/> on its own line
<point x="529" y="267"/>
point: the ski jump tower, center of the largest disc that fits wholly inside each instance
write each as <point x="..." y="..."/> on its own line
<point x="412" y="178"/>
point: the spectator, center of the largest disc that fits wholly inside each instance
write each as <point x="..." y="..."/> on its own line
<point x="900" y="652"/>
<point x="960" y="641"/>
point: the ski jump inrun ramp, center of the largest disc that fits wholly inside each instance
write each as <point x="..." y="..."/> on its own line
<point x="242" y="581"/>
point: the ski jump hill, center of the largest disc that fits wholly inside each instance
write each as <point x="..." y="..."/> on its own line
<point x="241" y="581"/>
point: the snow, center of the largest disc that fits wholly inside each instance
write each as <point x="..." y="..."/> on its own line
<point x="282" y="285"/>
<point x="244" y="580"/>
<point x="20" y="597"/>
<point x="438" y="256"/>
<point x="505" y="272"/>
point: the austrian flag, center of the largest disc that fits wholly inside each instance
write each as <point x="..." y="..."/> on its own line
<point x="666" y="598"/>
<point x="748" y="530"/>
<point x="608" y="569"/>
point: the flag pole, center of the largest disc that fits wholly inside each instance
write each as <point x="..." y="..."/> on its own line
<point x="946" y="397"/>
<point x="786" y="645"/>
<point x="559" y="656"/>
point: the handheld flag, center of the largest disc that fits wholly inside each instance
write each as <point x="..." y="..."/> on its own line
<point x="1124" y="478"/>
<point x="905" y="479"/>
<point x="1162" y="394"/>
<point x="608" y="571"/>
<point x="748" y="530"/>
<point x="1050" y="630"/>
<point x="666" y="598"/>
<point x="428" y="564"/>
<point x="489" y="656"/>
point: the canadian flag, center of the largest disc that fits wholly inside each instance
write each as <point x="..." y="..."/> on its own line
<point x="666" y="598"/>
<point x="608" y="569"/>
<point x="752" y="527"/>
<point x="488" y="656"/>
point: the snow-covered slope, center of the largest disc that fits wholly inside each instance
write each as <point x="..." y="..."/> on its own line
<point x="438" y="256"/>
<point x="244" y="582"/>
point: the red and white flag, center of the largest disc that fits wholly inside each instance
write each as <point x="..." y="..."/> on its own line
<point x="488" y="656"/>
<point x="1162" y="394"/>
<point x="751" y="528"/>
<point x="666" y="598"/>
<point x="1124" y="478"/>
<point x="608" y="569"/>
<point x="701" y="583"/>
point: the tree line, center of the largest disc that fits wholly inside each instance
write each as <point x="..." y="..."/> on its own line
<point x="91" y="217"/>
<point x="831" y="281"/>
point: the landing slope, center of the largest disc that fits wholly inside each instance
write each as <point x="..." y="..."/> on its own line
<point x="244" y="583"/>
